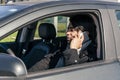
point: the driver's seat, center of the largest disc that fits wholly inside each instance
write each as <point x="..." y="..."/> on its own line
<point x="47" y="32"/>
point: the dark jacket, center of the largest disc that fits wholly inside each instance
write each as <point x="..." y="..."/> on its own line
<point x="70" y="57"/>
<point x="87" y="53"/>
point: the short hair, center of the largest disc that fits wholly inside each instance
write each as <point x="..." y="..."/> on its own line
<point x="81" y="20"/>
<point x="76" y="28"/>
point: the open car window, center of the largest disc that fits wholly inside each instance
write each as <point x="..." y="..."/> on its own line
<point x="59" y="41"/>
<point x="10" y="38"/>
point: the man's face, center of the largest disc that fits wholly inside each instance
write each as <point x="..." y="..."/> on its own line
<point x="71" y="34"/>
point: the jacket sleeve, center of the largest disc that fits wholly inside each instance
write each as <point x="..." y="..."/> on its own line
<point x="70" y="57"/>
<point x="41" y="65"/>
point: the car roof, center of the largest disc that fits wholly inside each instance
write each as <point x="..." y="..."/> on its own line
<point x="30" y="3"/>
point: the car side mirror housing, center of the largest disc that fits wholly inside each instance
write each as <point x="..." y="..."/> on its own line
<point x="11" y="66"/>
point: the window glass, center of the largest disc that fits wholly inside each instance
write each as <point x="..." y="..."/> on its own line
<point x="10" y="38"/>
<point x="59" y="22"/>
<point x="118" y="17"/>
<point x="62" y="24"/>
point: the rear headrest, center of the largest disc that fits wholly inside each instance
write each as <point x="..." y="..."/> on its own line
<point x="47" y="31"/>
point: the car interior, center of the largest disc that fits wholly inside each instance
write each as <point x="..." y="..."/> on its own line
<point x="32" y="50"/>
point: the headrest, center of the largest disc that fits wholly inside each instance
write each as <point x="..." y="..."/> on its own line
<point x="84" y="20"/>
<point x="47" y="31"/>
<point x="86" y="41"/>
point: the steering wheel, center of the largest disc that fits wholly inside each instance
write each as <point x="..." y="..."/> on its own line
<point x="7" y="49"/>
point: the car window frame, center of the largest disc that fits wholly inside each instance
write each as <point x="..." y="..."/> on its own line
<point x="78" y="66"/>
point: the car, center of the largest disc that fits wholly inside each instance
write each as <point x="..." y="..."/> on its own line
<point x="20" y="32"/>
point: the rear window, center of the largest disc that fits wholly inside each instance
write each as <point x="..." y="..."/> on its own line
<point x="118" y="17"/>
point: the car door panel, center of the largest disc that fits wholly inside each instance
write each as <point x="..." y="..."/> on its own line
<point x="109" y="71"/>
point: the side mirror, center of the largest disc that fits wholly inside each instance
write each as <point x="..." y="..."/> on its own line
<point x="11" y="67"/>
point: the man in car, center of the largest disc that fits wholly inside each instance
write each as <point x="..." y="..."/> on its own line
<point x="75" y="52"/>
<point x="78" y="42"/>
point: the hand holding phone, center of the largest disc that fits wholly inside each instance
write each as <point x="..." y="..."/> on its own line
<point x="81" y="34"/>
<point x="76" y="42"/>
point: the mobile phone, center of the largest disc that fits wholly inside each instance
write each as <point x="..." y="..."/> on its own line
<point x="81" y="35"/>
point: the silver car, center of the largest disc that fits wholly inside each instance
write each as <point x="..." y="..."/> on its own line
<point x="19" y="33"/>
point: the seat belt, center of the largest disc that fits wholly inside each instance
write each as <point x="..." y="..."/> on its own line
<point x="25" y="47"/>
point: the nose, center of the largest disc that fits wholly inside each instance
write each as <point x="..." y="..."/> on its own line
<point x="68" y="34"/>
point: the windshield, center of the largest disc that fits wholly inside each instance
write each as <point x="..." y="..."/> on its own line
<point x="7" y="10"/>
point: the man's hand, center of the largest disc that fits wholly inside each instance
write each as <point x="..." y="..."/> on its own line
<point x="76" y="42"/>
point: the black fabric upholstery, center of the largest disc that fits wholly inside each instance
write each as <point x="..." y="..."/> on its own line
<point x="36" y="54"/>
<point x="47" y="31"/>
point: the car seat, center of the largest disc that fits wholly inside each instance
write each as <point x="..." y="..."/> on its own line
<point x="47" y="33"/>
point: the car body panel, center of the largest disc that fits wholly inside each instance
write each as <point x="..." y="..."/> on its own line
<point x="101" y="72"/>
<point x="115" y="27"/>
